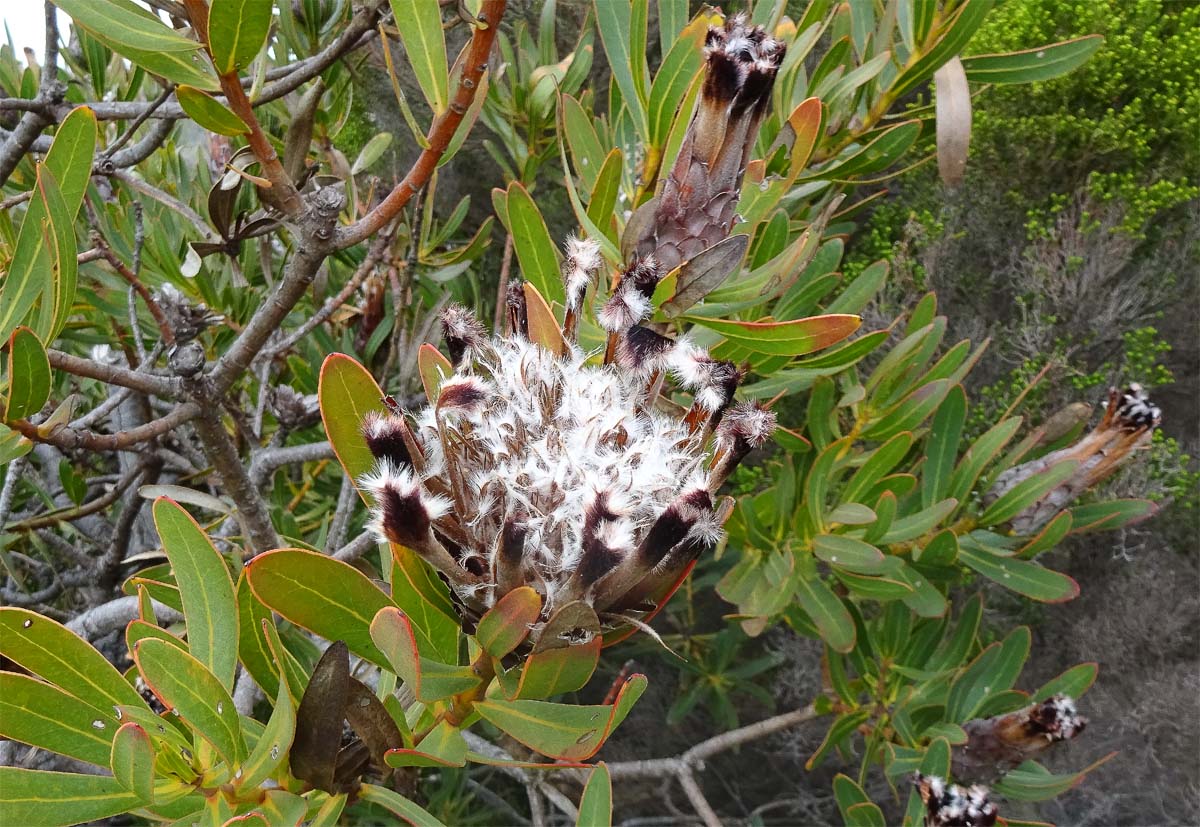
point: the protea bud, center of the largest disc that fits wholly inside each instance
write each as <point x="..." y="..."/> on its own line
<point x="547" y="470"/>
<point x="998" y="744"/>
<point x="580" y="266"/>
<point x="949" y="805"/>
<point x="1128" y="425"/>
<point x="695" y="207"/>
<point x="187" y="320"/>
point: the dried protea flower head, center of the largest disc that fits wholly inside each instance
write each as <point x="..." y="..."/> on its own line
<point x="695" y="208"/>
<point x="949" y="805"/>
<point x="541" y="466"/>
<point x="1128" y="425"/>
<point x="997" y="744"/>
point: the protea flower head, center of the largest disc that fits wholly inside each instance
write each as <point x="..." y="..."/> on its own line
<point x="695" y="207"/>
<point x="546" y="466"/>
<point x="999" y="743"/>
<point x="1127" y="426"/>
<point x="949" y="805"/>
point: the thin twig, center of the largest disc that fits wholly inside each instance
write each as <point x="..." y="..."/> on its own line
<point x="116" y="614"/>
<point x="696" y="797"/>
<point x="440" y="133"/>
<point x="50" y="92"/>
<point x="69" y="439"/>
<point x="163" y="386"/>
<point x="91" y="507"/>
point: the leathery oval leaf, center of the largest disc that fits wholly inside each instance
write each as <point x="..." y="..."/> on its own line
<point x="507" y="623"/>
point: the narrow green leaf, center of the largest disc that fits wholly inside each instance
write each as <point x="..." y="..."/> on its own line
<point x="429" y="680"/>
<point x="420" y="25"/>
<point x="209" y="112"/>
<point x="1033" y="782"/>
<point x="274" y="743"/>
<point x="51" y="651"/>
<point x="371" y="152"/>
<point x="979" y="456"/>
<point x="573" y="733"/>
<point x="603" y="201"/>
<point x="1022" y="576"/>
<point x="554" y="671"/>
<point x="680" y="66"/>
<point x="144" y="39"/>
<point x="186" y="686"/>
<point x="325" y="596"/>
<point x="848" y="553"/>
<point x="237" y="31"/>
<point x="41" y="715"/>
<point x="209" y="604"/>
<point x="827" y="612"/>
<point x="425" y="600"/>
<point x="253" y="650"/>
<point x="877" y="155"/>
<point x="941" y="450"/>
<point x="37" y="798"/>
<point x="615" y="21"/>
<point x="865" y="815"/>
<point x="842" y="728"/>
<point x="133" y="760"/>
<point x="1026" y="493"/>
<point x="1031" y="65"/>
<point x="28" y="375"/>
<point x="792" y="338"/>
<point x="847" y="793"/>
<point x="595" y="807"/>
<point x="1111" y="515"/>
<point x="531" y="240"/>
<point x="1074" y="682"/>
<point x="398" y="804"/>
<point x="444" y="746"/>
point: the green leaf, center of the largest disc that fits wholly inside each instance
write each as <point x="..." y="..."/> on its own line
<point x="865" y="815"/>
<point x="425" y="600"/>
<point x="237" y="31"/>
<point x="186" y="686"/>
<point x="1030" y="65"/>
<point x="615" y="21"/>
<point x="832" y="619"/>
<point x="37" y="798"/>
<point x="1033" y="782"/>
<point x="1074" y="682"/>
<point x="596" y="806"/>
<point x="28" y="375"/>
<point x="54" y="653"/>
<point x="979" y="456"/>
<point x="881" y="461"/>
<point x="680" y="66"/>
<point x="507" y="623"/>
<point x="925" y="600"/>
<point x="325" y="596"/>
<point x="858" y="293"/>
<point x="877" y="155"/>
<point x="954" y="35"/>
<point x="347" y="393"/>
<point x="603" y="201"/>
<point x="847" y="793"/>
<point x="434" y="369"/>
<point x="209" y="112"/>
<point x="444" y="746"/>
<point x="31" y="272"/>
<point x="133" y="760"/>
<point x="209" y="604"/>
<point x="555" y="671"/>
<point x="1022" y="576"/>
<point x="531" y="240"/>
<point x="941" y="450"/>
<point x="41" y="715"/>
<point x="253" y="650"/>
<point x="420" y="25"/>
<point x="371" y="152"/>
<point x="848" y="553"/>
<point x="274" y="743"/>
<point x="398" y="804"/>
<point x="994" y="671"/>
<point x="429" y="680"/>
<point x="909" y="412"/>
<point x="1027" y="492"/>
<point x="916" y="525"/>
<point x="1048" y="538"/>
<point x="793" y="338"/>
<point x="144" y="39"/>
<point x="572" y="733"/>
<point x="842" y="728"/>
<point x="1111" y="515"/>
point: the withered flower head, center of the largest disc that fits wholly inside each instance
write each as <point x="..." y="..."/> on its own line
<point x="1127" y="425"/>
<point x="949" y="805"/>
<point x="695" y="207"/>
<point x="187" y="320"/>
<point x="462" y="331"/>
<point x="997" y="744"/>
<point x="548" y="470"/>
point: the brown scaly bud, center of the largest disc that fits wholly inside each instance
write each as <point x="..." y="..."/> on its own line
<point x="997" y="744"/>
<point x="463" y="395"/>
<point x="509" y="559"/>
<point x="698" y="197"/>
<point x="1127" y="426"/>
<point x="187" y="320"/>
<point x="580" y="265"/>
<point x="605" y="542"/>
<point x="293" y="410"/>
<point x="517" y="310"/>
<point x="743" y="428"/>
<point x="949" y="805"/>
<point x="462" y="331"/>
